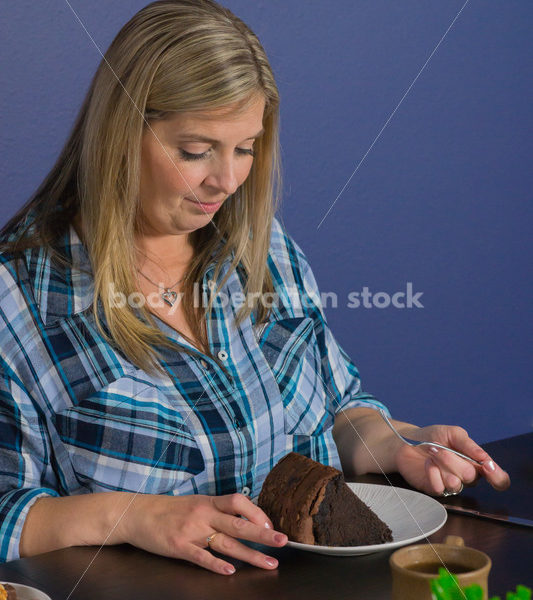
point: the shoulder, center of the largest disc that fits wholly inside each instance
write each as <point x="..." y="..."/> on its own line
<point x="13" y="274"/>
<point x="284" y="251"/>
<point x="291" y="272"/>
<point x="35" y="282"/>
<point x="18" y="314"/>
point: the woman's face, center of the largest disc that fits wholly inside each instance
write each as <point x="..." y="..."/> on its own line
<point x="192" y="158"/>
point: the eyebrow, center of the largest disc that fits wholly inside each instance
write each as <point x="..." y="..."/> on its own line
<point x="208" y="140"/>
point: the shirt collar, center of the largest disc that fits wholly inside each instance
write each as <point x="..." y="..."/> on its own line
<point x="61" y="290"/>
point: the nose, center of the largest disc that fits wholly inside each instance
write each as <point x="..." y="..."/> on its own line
<point x="222" y="176"/>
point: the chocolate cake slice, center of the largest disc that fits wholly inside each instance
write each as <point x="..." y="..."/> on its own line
<point x="312" y="504"/>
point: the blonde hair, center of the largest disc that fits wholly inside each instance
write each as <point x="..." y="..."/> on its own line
<point x="172" y="56"/>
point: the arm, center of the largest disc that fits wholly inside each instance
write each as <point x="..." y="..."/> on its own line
<point x="25" y="472"/>
<point x="173" y="526"/>
<point x="364" y="442"/>
<point x="87" y="520"/>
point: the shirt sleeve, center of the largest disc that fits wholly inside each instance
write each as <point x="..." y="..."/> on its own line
<point x="339" y="374"/>
<point x="25" y="472"/>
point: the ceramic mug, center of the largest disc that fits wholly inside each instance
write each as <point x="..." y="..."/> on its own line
<point x="414" y="566"/>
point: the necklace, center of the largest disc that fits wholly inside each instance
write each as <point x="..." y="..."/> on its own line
<point x="168" y="295"/>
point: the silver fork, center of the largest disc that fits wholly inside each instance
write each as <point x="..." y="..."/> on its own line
<point x="425" y="445"/>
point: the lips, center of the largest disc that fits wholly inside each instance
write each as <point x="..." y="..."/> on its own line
<point x="203" y="203"/>
<point x="206" y="207"/>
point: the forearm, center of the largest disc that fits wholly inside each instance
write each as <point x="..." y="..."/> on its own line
<point x="365" y="443"/>
<point x="88" y="519"/>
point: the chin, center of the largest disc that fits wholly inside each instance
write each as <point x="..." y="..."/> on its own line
<point x="180" y="226"/>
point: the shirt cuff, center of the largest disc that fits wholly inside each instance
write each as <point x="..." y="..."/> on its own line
<point x="364" y="400"/>
<point x="14" y="508"/>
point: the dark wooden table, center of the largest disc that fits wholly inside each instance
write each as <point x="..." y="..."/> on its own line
<point x="125" y="572"/>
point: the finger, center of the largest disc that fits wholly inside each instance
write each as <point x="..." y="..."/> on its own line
<point x="453" y="467"/>
<point x="459" y="439"/>
<point x="434" y="477"/>
<point x="206" y="559"/>
<point x="238" y="504"/>
<point x="452" y="483"/>
<point x="236" y="527"/>
<point x="228" y="545"/>
<point x="446" y="481"/>
<point x="496" y="476"/>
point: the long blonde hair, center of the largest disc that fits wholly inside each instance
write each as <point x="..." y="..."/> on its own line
<point x="172" y="56"/>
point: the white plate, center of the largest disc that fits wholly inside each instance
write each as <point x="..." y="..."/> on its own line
<point x="25" y="592"/>
<point x="412" y="516"/>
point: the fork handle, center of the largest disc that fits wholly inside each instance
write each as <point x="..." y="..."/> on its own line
<point x="416" y="443"/>
<point x="456" y="452"/>
<point x="391" y="426"/>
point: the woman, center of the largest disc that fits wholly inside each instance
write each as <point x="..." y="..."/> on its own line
<point x="163" y="340"/>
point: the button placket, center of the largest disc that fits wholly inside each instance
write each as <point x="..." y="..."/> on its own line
<point x="222" y="369"/>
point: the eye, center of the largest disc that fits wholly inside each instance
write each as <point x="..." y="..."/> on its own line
<point x="194" y="156"/>
<point x="191" y="156"/>
<point x="245" y="151"/>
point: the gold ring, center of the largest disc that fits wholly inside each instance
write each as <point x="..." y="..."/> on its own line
<point x="212" y="537"/>
<point x="447" y="493"/>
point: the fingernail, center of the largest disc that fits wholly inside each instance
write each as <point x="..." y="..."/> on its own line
<point x="279" y="538"/>
<point x="229" y="570"/>
<point x="268" y="525"/>
<point x="433" y="450"/>
<point x="271" y="562"/>
<point x="489" y="465"/>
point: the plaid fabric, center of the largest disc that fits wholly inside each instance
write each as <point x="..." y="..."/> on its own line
<point x="77" y="417"/>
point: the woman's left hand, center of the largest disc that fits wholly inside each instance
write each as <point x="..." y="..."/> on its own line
<point x="445" y="471"/>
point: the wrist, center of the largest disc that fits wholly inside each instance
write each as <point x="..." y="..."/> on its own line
<point x="119" y="517"/>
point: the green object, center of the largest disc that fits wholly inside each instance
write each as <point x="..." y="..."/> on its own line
<point x="521" y="593"/>
<point x="446" y="587"/>
<point x="473" y="592"/>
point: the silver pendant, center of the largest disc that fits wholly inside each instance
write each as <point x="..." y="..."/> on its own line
<point x="169" y="297"/>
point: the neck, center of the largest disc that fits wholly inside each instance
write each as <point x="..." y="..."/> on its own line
<point x="165" y="249"/>
<point x="163" y="258"/>
<point x="157" y="255"/>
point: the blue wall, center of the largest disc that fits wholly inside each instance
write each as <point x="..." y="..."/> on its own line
<point x="443" y="200"/>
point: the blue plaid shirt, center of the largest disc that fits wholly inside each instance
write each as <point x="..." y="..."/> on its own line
<point x="77" y="417"/>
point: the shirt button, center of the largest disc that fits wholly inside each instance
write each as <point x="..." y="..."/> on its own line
<point x="222" y="355"/>
<point x="246" y="491"/>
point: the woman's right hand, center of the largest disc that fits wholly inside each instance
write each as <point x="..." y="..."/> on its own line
<point x="178" y="527"/>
